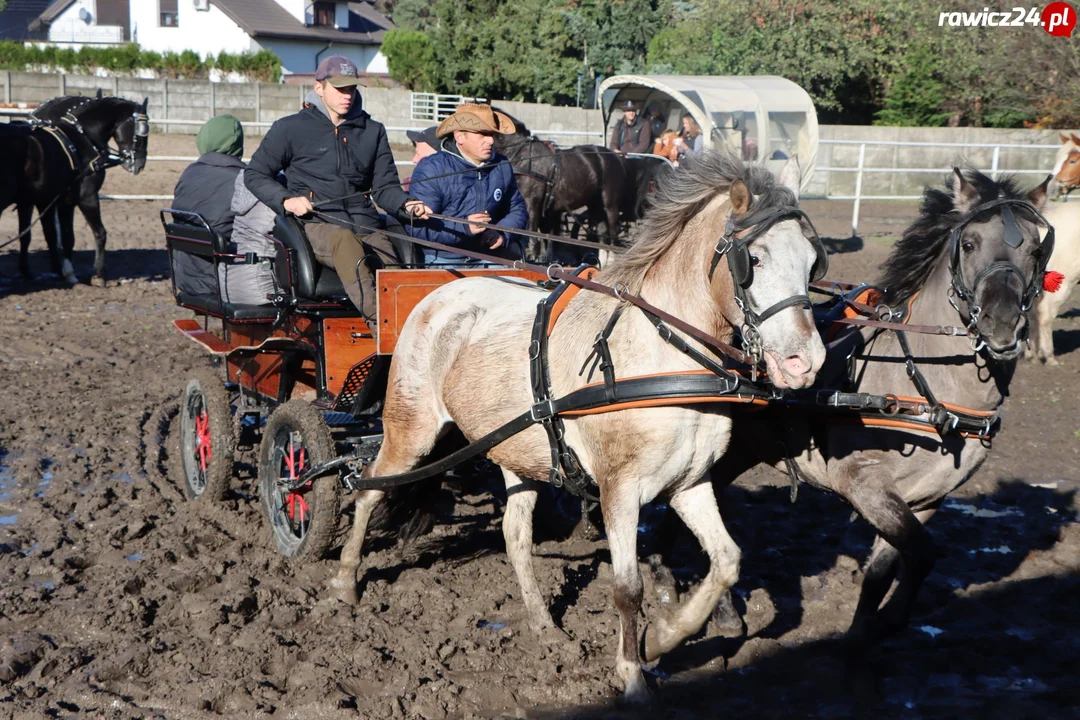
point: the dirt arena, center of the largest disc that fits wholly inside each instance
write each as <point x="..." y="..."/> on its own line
<point x="120" y="599"/>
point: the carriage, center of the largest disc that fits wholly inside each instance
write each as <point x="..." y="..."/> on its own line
<point x="760" y="118"/>
<point x="304" y="370"/>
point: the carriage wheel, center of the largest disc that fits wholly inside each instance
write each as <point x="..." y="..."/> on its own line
<point x="207" y="442"/>
<point x="304" y="521"/>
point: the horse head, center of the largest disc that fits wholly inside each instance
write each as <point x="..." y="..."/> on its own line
<point x="131" y="131"/>
<point x="1067" y="164"/>
<point x="772" y="253"/>
<point x="997" y="259"/>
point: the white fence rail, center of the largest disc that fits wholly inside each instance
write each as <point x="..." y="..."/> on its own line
<point x="860" y="169"/>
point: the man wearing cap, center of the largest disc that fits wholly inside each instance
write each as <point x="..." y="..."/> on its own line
<point x="335" y="158"/>
<point x="468" y="179"/>
<point x="424" y="143"/>
<point x="632" y="133"/>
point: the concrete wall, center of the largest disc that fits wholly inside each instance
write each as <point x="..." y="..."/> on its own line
<point x="198" y="100"/>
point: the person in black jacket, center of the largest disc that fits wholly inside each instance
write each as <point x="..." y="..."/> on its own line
<point x="632" y="134"/>
<point x="335" y="158"/>
<point x="206" y="187"/>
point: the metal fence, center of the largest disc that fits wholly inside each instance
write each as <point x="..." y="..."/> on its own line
<point x="860" y="169"/>
<point x="430" y="107"/>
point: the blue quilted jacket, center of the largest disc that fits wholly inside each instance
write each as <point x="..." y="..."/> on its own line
<point x="490" y="187"/>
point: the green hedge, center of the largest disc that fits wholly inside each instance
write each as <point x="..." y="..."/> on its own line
<point x="263" y="65"/>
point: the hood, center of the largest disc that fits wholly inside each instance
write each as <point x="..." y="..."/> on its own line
<point x="356" y="110"/>
<point x="221" y="134"/>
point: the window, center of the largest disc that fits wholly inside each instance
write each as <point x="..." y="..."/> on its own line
<point x="167" y="13"/>
<point x="324" y="14"/>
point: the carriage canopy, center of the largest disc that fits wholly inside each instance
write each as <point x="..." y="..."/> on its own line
<point x="762" y="118"/>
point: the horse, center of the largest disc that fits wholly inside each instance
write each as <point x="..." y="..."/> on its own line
<point x="1066" y="170"/>
<point x="87" y="125"/>
<point x="1065" y="217"/>
<point x="554" y="181"/>
<point x="973" y="255"/>
<point x="454" y="363"/>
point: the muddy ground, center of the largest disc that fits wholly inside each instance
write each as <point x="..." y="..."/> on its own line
<point x="118" y="598"/>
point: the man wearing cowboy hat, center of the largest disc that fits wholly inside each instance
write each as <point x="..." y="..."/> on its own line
<point x="632" y="133"/>
<point x="468" y="179"/>
<point x="335" y="158"/>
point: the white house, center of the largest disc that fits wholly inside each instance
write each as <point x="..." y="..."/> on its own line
<point x="74" y="23"/>
<point x="300" y="32"/>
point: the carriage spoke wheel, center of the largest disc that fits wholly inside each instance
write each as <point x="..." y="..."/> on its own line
<point x="207" y="443"/>
<point x="303" y="521"/>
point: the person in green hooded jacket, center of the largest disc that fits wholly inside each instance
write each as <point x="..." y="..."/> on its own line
<point x="206" y="187"/>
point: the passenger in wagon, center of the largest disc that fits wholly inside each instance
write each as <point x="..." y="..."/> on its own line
<point x="445" y="183"/>
<point x="206" y="187"/>
<point x="632" y="134"/>
<point x="336" y="159"/>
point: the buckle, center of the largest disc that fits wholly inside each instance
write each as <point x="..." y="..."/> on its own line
<point x="542" y="411"/>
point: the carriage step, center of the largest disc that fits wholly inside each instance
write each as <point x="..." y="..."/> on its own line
<point x="355" y="384"/>
<point x="194" y="331"/>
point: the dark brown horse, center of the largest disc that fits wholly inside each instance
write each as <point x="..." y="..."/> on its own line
<point x="68" y="141"/>
<point x="555" y="181"/>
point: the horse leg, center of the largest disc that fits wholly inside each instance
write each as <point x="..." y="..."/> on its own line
<point x="91" y="211"/>
<point x="50" y="225"/>
<point x="900" y="528"/>
<point x="698" y="509"/>
<point x="65" y="215"/>
<point x="1046" y="313"/>
<point x="894" y="615"/>
<point x="408" y="437"/>
<point x="26" y="212"/>
<point x="621" y="510"/>
<point x="517" y="528"/>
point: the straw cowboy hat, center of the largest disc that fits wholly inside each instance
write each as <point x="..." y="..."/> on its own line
<point x="476" y="117"/>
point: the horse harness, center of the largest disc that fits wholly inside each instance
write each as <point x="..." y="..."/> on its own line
<point x="104" y="157"/>
<point x="926" y="412"/>
<point x="548" y="181"/>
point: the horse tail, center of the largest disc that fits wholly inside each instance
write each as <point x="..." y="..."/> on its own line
<point x="408" y="511"/>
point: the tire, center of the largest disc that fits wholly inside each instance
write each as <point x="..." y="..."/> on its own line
<point x="304" y="523"/>
<point x="207" y="442"/>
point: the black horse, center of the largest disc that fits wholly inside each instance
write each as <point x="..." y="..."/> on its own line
<point x="557" y="181"/>
<point x="59" y="161"/>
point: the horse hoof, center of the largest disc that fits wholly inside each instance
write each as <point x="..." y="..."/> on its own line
<point x="98" y="281"/>
<point x="1052" y="361"/>
<point x="346" y="593"/>
<point x="69" y="273"/>
<point x="637" y="692"/>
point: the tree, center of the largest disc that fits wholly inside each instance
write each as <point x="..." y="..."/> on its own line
<point x="409" y="58"/>
<point x="916" y="96"/>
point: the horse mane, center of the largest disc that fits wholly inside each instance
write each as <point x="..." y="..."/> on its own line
<point x="680" y="196"/>
<point x="917" y="252"/>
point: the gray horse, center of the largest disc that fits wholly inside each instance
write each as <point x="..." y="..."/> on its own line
<point x="895" y="478"/>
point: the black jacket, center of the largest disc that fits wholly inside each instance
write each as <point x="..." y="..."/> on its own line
<point x="206" y="187"/>
<point x="326" y="163"/>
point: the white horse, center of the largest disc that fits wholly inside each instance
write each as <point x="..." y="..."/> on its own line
<point x="1065" y="217"/>
<point x="463" y="358"/>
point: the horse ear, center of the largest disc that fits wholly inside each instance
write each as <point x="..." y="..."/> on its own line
<point x="1076" y="139"/>
<point x="98" y="96"/>
<point x="145" y="102"/>
<point x="1064" y="138"/>
<point x="740" y="197"/>
<point x="1037" y="196"/>
<point x="964" y="195"/>
<point x="790" y="176"/>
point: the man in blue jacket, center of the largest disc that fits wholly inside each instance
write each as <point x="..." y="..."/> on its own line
<point x="467" y="179"/>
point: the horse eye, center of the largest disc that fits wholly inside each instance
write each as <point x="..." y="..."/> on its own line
<point x="754" y="261"/>
<point x="968" y="247"/>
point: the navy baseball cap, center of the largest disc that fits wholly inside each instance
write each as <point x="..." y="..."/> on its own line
<point x="424" y="136"/>
<point x="339" y="70"/>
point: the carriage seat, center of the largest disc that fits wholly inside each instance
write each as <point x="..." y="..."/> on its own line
<point x="297" y="268"/>
<point x="191" y="249"/>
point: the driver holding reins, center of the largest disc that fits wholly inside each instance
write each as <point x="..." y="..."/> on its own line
<point x="335" y="158"/>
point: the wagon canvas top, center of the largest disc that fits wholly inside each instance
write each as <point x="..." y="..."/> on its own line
<point x="762" y="118"/>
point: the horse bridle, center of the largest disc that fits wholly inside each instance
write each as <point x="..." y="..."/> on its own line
<point x="1012" y="237"/>
<point x="737" y="250"/>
